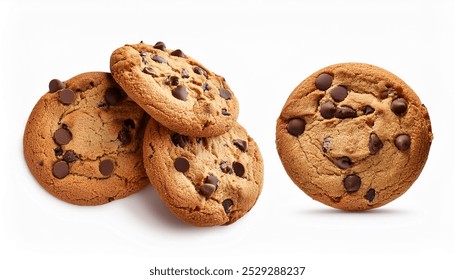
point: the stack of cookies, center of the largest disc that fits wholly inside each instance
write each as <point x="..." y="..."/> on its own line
<point x="160" y="116"/>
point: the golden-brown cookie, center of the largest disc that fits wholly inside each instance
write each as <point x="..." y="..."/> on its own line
<point x="353" y="136"/>
<point x="83" y="140"/>
<point x="175" y="90"/>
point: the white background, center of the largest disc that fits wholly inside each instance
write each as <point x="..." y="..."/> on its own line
<point x="264" y="49"/>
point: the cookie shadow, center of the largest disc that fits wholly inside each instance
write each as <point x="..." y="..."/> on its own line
<point x="371" y="212"/>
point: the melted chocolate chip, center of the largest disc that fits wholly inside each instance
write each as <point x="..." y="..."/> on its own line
<point x="368" y="110"/>
<point x="211" y="180"/>
<point x="375" y="144"/>
<point x="172" y="81"/>
<point x="113" y="96"/>
<point x="328" y="110"/>
<point x="239" y="169"/>
<point x="339" y="93"/>
<point x="296" y="126"/>
<point x="62" y="136"/>
<point x="227" y="204"/>
<point x="143" y="53"/>
<point x="343" y="162"/>
<point x="124" y="136"/>
<point x="344" y="112"/>
<point x="226" y="94"/>
<point x="160" y="45"/>
<point x="148" y="70"/>
<point x="241" y="144"/>
<point x="55" y="85"/>
<point x="158" y="59"/>
<point x="185" y="74"/>
<point x="178" y="53"/>
<point x="206" y="86"/>
<point x="225" y="167"/>
<point x="326" y="144"/>
<point x="60" y="169"/>
<point x="179" y="140"/>
<point x="352" y="183"/>
<point x="181" y="164"/>
<point x="399" y="106"/>
<point x="207" y="189"/>
<point x="106" y="167"/>
<point x="198" y="70"/>
<point x="129" y="123"/>
<point x="225" y="112"/>
<point x="58" y="151"/>
<point x="70" y="156"/>
<point x="180" y="93"/>
<point x="66" y="96"/>
<point x="324" y="81"/>
<point x="403" y="142"/>
<point x="371" y="193"/>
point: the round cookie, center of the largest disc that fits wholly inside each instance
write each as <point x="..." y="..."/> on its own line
<point x="170" y="86"/>
<point x="353" y="136"/>
<point x="83" y="140"/>
<point x="204" y="181"/>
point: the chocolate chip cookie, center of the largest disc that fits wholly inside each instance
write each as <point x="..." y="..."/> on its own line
<point x="204" y="181"/>
<point x="175" y="89"/>
<point x="83" y="140"/>
<point x="353" y="136"/>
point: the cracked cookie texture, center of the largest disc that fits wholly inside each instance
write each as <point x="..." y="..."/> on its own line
<point x="175" y="89"/>
<point x="353" y="136"/>
<point x="204" y="181"/>
<point x="83" y="140"/>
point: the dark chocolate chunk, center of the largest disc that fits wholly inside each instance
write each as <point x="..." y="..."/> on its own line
<point x="371" y="193"/>
<point x="179" y="140"/>
<point x="225" y="112"/>
<point x="113" y="96"/>
<point x="226" y="94"/>
<point x="326" y="144"/>
<point x="352" y="183"/>
<point x="225" y="167"/>
<point x="206" y="86"/>
<point x="62" y="136"/>
<point x="185" y="74"/>
<point x="180" y="93"/>
<point x="158" y="59"/>
<point x="403" y="142"/>
<point x="70" y="156"/>
<point x="66" y="96"/>
<point x="324" y="81"/>
<point x="124" y="136"/>
<point x="375" y="144"/>
<point x="148" y="70"/>
<point x="60" y="169"/>
<point x="160" y="45"/>
<point x="339" y="93"/>
<point x="207" y="189"/>
<point x="106" y="167"/>
<point x="55" y="85"/>
<point x="178" y="53"/>
<point x="368" y="110"/>
<point x="241" y="144"/>
<point x="239" y="169"/>
<point x="198" y="70"/>
<point x="328" y="110"/>
<point x="58" y="151"/>
<point x="172" y="81"/>
<point x="296" y="126"/>
<point x="344" y="112"/>
<point x="399" y="106"/>
<point x="143" y="53"/>
<point x="343" y="162"/>
<point x="211" y="180"/>
<point x="181" y="164"/>
<point x="227" y="204"/>
<point x="129" y="123"/>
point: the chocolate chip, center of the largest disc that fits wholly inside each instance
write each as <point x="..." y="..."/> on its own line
<point x="211" y="180"/>
<point x="371" y="193"/>
<point x="206" y="86"/>
<point x="160" y="45"/>
<point x="198" y="70"/>
<point x="226" y="94"/>
<point x="179" y="140"/>
<point x="239" y="169"/>
<point x="225" y="112"/>
<point x="343" y="162"/>
<point x="399" y="106"/>
<point x="143" y="53"/>
<point x="70" y="156"/>
<point x="113" y="96"/>
<point x="185" y="74"/>
<point x="368" y="110"/>
<point x="225" y="167"/>
<point x="66" y="96"/>
<point x="180" y="93"/>
<point x="227" y="204"/>
<point x="375" y="144"/>
<point x="296" y="126"/>
<point x="62" y="136"/>
<point x="328" y="110"/>
<point x="55" y="85"/>
<point x="207" y="189"/>
<point x="58" y="151"/>
<point x="344" y="112"/>
<point x="41" y="163"/>
<point x="124" y="136"/>
<point x="129" y="123"/>
<point x="326" y="144"/>
<point x="403" y="142"/>
<point x="172" y="81"/>
<point x="178" y="53"/>
<point x="241" y="144"/>
<point x="158" y="59"/>
<point x="339" y="93"/>
<point x="181" y="164"/>
<point x="324" y="81"/>
<point x="148" y="70"/>
<point x="106" y="167"/>
<point x="352" y="183"/>
<point x="60" y="169"/>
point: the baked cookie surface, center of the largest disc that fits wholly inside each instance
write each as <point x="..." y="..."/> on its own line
<point x="204" y="181"/>
<point x="172" y="86"/>
<point x="83" y="140"/>
<point x="353" y="136"/>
